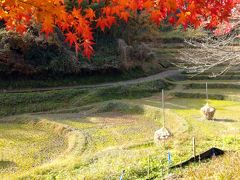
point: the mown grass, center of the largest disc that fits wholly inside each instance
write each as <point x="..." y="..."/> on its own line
<point x="24" y="146"/>
<point x="111" y="137"/>
<point x="223" y="133"/>
<point x="119" y="135"/>
<point x="116" y="127"/>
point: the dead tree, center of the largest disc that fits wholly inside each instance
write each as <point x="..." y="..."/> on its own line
<point x="221" y="50"/>
<point x="210" y="52"/>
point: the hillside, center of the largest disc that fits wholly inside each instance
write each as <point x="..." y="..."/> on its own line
<point x="92" y="130"/>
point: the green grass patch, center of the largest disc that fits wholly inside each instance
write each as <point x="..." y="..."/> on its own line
<point x="213" y="85"/>
<point x="18" y="103"/>
<point x="198" y="95"/>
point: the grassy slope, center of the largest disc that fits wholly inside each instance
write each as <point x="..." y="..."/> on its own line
<point x="122" y="137"/>
<point x="120" y="134"/>
<point x="24" y="146"/>
<point x="18" y="103"/>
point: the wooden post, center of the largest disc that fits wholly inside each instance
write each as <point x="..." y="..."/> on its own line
<point x="148" y="166"/>
<point x="194" y="148"/>
<point x="235" y="134"/>
<point x="163" y="114"/>
<point x="207" y="92"/>
<point x="162" y="168"/>
<point x="2" y="161"/>
<point x="163" y="108"/>
<point x="2" y="156"/>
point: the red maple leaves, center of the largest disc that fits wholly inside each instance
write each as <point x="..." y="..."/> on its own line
<point x="78" y="23"/>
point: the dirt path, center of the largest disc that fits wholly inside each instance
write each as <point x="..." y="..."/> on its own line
<point x="155" y="77"/>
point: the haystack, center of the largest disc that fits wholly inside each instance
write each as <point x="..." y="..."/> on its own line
<point x="161" y="134"/>
<point x="208" y="111"/>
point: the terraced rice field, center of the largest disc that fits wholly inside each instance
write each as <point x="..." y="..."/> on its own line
<point x="100" y="140"/>
<point x="24" y="146"/>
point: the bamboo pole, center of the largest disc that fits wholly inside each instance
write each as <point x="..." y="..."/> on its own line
<point x="194" y="148"/>
<point x="207" y="92"/>
<point x="148" y="166"/>
<point x="163" y="108"/>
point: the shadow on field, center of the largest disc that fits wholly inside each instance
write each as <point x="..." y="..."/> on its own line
<point x="66" y="116"/>
<point x="209" y="154"/>
<point x="7" y="164"/>
<point x="225" y="120"/>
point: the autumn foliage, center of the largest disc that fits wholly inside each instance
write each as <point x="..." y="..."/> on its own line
<point x="78" y="23"/>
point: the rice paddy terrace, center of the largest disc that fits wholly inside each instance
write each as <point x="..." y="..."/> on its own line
<point x="86" y="136"/>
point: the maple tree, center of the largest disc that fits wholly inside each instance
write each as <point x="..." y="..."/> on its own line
<point x="79" y="22"/>
<point x="227" y="26"/>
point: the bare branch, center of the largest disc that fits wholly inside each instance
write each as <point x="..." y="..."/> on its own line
<point x="209" y="52"/>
